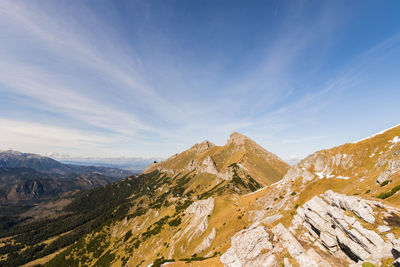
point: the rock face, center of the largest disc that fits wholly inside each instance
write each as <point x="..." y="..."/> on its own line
<point x="206" y="242"/>
<point x="335" y="221"/>
<point x="285" y="239"/>
<point x="208" y="165"/>
<point x="237" y="139"/>
<point x="358" y="206"/>
<point x="246" y="249"/>
<point x="253" y="247"/>
<point x="392" y="167"/>
<point x="200" y="211"/>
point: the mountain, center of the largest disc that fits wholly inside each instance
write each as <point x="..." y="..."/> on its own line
<point x="29" y="178"/>
<point x="134" y="164"/>
<point x="239" y="155"/>
<point x="15" y="159"/>
<point x="163" y="192"/>
<point x="28" y="186"/>
<point x="227" y="206"/>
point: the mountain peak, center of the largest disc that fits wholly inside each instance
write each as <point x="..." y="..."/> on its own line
<point x="237" y="139"/>
<point x="203" y="146"/>
<point x="11" y="152"/>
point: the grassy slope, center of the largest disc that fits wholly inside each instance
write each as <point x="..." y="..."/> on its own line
<point x="264" y="166"/>
<point x="145" y="236"/>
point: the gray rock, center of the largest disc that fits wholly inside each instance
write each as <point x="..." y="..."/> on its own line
<point x="296" y="250"/>
<point x="206" y="242"/>
<point x="393" y="167"/>
<point x="287" y="263"/>
<point x="271" y="261"/>
<point x="358" y="206"/>
<point x="383" y="228"/>
<point x="246" y="248"/>
<point x="328" y="223"/>
<point x="199" y="212"/>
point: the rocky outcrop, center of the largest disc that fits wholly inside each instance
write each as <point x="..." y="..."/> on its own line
<point x="206" y="242"/>
<point x="247" y="247"/>
<point x="358" y="206"/>
<point x="392" y="167"/>
<point x="201" y="147"/>
<point x="199" y="210"/>
<point x="237" y="139"/>
<point x="208" y="165"/>
<point x="330" y="224"/>
<point x="253" y="247"/>
<point x="304" y="257"/>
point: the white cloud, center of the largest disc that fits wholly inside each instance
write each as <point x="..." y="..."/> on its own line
<point x="40" y="137"/>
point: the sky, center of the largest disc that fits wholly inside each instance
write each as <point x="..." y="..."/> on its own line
<point x="152" y="78"/>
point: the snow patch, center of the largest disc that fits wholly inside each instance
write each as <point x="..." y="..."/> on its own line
<point x="395" y="140"/>
<point x="256" y="191"/>
<point x="373" y="154"/>
<point x="343" y="177"/>
<point x="322" y="175"/>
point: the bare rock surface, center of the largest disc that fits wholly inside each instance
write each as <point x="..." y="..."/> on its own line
<point x="296" y="250"/>
<point x="199" y="222"/>
<point x="246" y="249"/>
<point x="206" y="242"/>
<point x="329" y="222"/>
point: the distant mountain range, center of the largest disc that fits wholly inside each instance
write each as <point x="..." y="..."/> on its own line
<point x="134" y="164"/>
<point x="26" y="177"/>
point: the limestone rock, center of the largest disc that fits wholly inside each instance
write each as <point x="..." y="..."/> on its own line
<point x="383" y="228"/>
<point x="237" y="139"/>
<point x="208" y="165"/>
<point x="271" y="261"/>
<point x="358" y="206"/>
<point x="287" y="263"/>
<point x="304" y="258"/>
<point x="393" y="167"/>
<point x="246" y="248"/>
<point x="206" y="242"/>
<point x="199" y="222"/>
<point x="201" y="147"/>
<point x="328" y="223"/>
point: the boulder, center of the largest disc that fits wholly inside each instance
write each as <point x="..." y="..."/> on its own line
<point x="247" y="247"/>
<point x="358" y="206"/>
<point x="304" y="258"/>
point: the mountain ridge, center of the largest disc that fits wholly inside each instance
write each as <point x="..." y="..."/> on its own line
<point x="16" y="159"/>
<point x="205" y="157"/>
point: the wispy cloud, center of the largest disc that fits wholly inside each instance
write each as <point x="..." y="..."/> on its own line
<point x="163" y="90"/>
<point x="66" y="39"/>
<point x="20" y="134"/>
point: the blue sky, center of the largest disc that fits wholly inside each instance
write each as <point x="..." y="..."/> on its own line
<point x="151" y="78"/>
